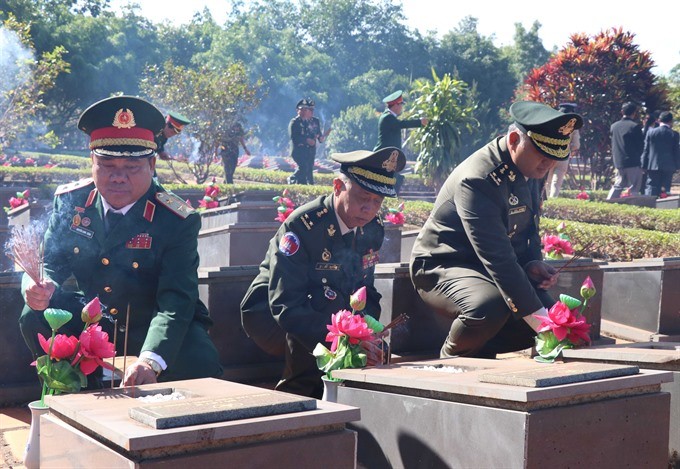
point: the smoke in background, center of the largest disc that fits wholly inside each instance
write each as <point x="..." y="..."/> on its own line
<point x="14" y="62"/>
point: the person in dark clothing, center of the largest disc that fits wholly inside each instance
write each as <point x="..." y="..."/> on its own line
<point x="627" y="144"/>
<point x="661" y="155"/>
<point x="229" y="151"/>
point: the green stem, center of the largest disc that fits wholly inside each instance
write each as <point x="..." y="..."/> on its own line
<point x="49" y="369"/>
<point x="583" y="306"/>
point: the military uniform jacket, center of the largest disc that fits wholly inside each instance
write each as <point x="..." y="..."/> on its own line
<point x="389" y="130"/>
<point x="300" y="130"/>
<point x="149" y="260"/>
<point x="485" y="219"/>
<point x="309" y="273"/>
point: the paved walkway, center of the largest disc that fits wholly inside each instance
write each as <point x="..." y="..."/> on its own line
<point x="15" y="423"/>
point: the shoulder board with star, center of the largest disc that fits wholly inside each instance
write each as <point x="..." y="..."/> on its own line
<point x="71" y="186"/>
<point x="308" y="219"/>
<point x="501" y="172"/>
<point x="174" y="203"/>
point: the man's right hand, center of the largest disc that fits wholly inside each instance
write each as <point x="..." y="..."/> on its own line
<point x="38" y="295"/>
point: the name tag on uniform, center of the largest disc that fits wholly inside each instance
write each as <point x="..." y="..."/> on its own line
<point x="327" y="266"/>
<point x="82" y="231"/>
<point x="516" y="210"/>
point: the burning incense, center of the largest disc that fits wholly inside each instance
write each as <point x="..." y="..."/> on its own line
<point x="113" y="360"/>
<point x="402" y="318"/>
<point x="125" y="342"/>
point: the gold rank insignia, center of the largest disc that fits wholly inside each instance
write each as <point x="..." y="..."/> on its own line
<point x="174" y="204"/>
<point x="331" y="230"/>
<point x="326" y="255"/>
<point x="512" y="176"/>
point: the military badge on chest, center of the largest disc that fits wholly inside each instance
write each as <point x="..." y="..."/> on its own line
<point x="79" y="224"/>
<point x="141" y="241"/>
<point x="370" y="259"/>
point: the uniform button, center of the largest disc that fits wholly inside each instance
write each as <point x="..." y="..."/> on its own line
<point x="121" y="328"/>
<point x="108" y="289"/>
<point x="135" y="265"/>
<point x="105" y="261"/>
<point x="323" y="280"/>
<point x="113" y="311"/>
<point x="76" y="250"/>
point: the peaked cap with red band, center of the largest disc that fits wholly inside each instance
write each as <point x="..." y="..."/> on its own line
<point x="122" y="127"/>
<point x="178" y="121"/>
<point x="395" y="98"/>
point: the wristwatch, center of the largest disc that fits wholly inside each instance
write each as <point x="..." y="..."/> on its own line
<point x="155" y="366"/>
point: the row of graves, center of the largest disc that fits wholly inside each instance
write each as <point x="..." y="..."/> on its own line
<point x="607" y="405"/>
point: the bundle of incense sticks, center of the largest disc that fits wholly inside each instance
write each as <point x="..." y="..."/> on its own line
<point x="577" y="255"/>
<point x="26" y="250"/>
<point x="402" y="318"/>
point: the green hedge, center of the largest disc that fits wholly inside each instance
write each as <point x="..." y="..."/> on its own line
<point x="614" y="243"/>
<point x="603" y="213"/>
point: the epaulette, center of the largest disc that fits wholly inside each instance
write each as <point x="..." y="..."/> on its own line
<point x="501" y="172"/>
<point x="174" y="203"/>
<point x="71" y="186"/>
<point x="309" y="218"/>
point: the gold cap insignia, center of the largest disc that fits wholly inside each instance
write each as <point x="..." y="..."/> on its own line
<point x="568" y="128"/>
<point x="390" y="164"/>
<point x="124" y="119"/>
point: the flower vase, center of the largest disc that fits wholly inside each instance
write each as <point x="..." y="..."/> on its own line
<point x="330" y="389"/>
<point x="32" y="452"/>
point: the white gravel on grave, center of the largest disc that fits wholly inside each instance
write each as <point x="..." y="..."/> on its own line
<point x="175" y="396"/>
<point x="443" y="369"/>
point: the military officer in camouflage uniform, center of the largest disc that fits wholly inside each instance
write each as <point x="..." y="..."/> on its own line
<point x="478" y="257"/>
<point x="132" y="244"/>
<point x="323" y="252"/>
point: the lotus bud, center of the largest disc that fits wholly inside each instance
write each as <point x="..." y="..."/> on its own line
<point x="92" y="312"/>
<point x="358" y="299"/>
<point x="588" y="288"/>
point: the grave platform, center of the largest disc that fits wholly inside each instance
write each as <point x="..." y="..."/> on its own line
<point x="514" y="413"/>
<point x="651" y="355"/>
<point x="218" y="423"/>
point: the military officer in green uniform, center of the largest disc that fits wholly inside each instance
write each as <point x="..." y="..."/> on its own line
<point x="478" y="257"/>
<point x="174" y="124"/>
<point x="389" y="124"/>
<point x="321" y="254"/>
<point x="129" y="242"/>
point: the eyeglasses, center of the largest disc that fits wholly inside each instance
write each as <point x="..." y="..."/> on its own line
<point x="177" y="131"/>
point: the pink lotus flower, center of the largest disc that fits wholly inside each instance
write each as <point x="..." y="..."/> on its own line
<point x="357" y="300"/>
<point x="30" y="161"/>
<point x="282" y="216"/>
<point x="92" y="312"/>
<point x="583" y="195"/>
<point x="396" y="218"/>
<point x="64" y="346"/>
<point x="565" y="324"/>
<point x="344" y="323"/>
<point x="94" y="345"/>
<point x="555" y="247"/>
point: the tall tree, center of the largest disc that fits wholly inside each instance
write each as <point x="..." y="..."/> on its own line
<point x="599" y="73"/>
<point x="527" y="51"/>
<point x="213" y="99"/>
<point x="474" y="59"/>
